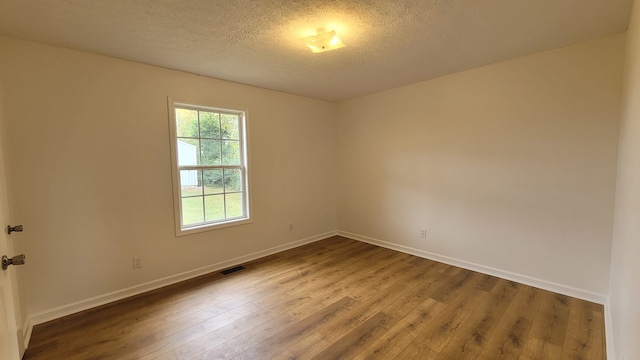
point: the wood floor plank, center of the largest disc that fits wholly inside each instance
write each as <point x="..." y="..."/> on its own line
<point x="551" y="322"/>
<point x="535" y="348"/>
<point x="308" y="347"/>
<point x="372" y="303"/>
<point x="415" y="351"/>
<point x="260" y="323"/>
<point x="455" y="284"/>
<point x="510" y="333"/>
<point x="335" y="298"/>
<point x="390" y="344"/>
<point x="583" y="341"/>
<point x="437" y="334"/>
<point x="416" y="291"/>
<point x="200" y="332"/>
<point x="259" y="314"/>
<point x="338" y="279"/>
<point x="242" y="339"/>
<point x="293" y="333"/>
<point x="469" y="341"/>
<point x="120" y="346"/>
<point x="356" y="340"/>
<point x="360" y="314"/>
<point x="166" y="356"/>
<point x="488" y="282"/>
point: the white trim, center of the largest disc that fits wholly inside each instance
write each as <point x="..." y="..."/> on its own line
<point x="175" y="176"/>
<point x="523" y="279"/>
<point x="213" y="226"/>
<point x="608" y="331"/>
<point x="82" y="305"/>
<point x="243" y="132"/>
<point x="26" y="335"/>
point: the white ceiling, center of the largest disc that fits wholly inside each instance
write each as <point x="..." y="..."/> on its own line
<point x="388" y="43"/>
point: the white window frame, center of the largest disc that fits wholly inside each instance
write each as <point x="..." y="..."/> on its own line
<point x="244" y="166"/>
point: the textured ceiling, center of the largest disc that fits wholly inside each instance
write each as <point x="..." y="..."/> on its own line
<point x="388" y="43"/>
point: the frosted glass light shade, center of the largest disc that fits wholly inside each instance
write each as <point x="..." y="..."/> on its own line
<point x="323" y="41"/>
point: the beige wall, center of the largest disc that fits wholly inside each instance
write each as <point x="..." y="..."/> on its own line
<point x="625" y="267"/>
<point x="510" y="166"/>
<point x="86" y="143"/>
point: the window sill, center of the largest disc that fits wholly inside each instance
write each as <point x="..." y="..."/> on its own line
<point x="211" y="227"/>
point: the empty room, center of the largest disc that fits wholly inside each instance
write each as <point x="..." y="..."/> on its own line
<point x="320" y="180"/>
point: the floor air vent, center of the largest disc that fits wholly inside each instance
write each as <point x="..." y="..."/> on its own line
<point x="232" y="270"/>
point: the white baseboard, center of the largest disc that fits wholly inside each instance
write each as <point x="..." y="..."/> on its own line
<point x="608" y="331"/>
<point x="523" y="279"/>
<point x="82" y="305"/>
<point x="27" y="329"/>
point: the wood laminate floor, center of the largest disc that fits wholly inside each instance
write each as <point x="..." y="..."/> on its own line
<point x="333" y="299"/>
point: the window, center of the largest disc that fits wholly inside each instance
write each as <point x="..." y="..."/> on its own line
<point x="210" y="167"/>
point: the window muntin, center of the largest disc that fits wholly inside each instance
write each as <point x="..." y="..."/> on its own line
<point x="210" y="165"/>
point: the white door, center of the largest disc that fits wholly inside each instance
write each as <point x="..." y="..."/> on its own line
<point x="9" y="349"/>
<point x="8" y="331"/>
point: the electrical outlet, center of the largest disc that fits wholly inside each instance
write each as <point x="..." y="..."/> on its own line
<point x="423" y="234"/>
<point x="137" y="263"/>
<point x="290" y="227"/>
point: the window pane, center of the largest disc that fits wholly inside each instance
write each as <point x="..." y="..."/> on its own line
<point x="232" y="180"/>
<point x="187" y="123"/>
<point x="191" y="182"/>
<point x="192" y="212"/>
<point x="209" y="125"/>
<point x="229" y="125"/>
<point x="214" y="207"/>
<point x="210" y="152"/>
<point x="234" y="205"/>
<point x="230" y="152"/>
<point x="213" y="182"/>
<point x="188" y="152"/>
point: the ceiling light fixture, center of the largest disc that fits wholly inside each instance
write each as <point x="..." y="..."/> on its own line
<point x="324" y="40"/>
